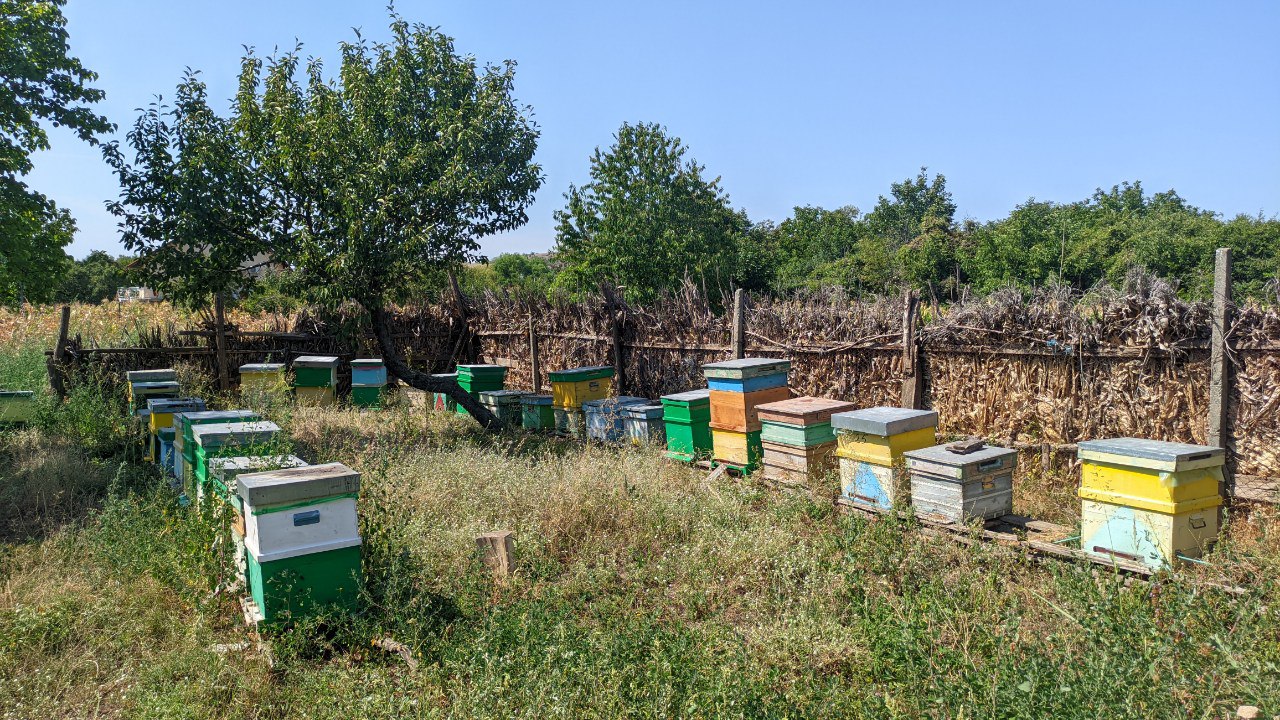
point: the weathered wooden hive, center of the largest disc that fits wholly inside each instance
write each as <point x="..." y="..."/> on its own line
<point x="959" y="487"/>
<point x="869" y="447"/>
<point x="315" y="379"/>
<point x="737" y="388"/>
<point x="797" y="438"/>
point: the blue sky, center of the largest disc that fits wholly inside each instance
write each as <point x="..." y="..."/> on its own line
<point x="790" y="103"/>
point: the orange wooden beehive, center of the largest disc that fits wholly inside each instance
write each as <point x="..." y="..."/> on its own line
<point x="738" y="411"/>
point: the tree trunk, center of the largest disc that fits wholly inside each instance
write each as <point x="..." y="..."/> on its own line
<point x="397" y="366"/>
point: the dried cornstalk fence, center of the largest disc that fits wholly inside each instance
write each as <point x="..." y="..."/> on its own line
<point x="1040" y="372"/>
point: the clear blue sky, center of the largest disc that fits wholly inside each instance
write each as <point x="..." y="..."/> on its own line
<point x="790" y="103"/>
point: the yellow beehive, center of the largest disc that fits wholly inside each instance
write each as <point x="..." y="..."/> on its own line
<point x="1149" y="474"/>
<point x="321" y="396"/>
<point x="571" y="388"/>
<point x="263" y="378"/>
<point x="1156" y="539"/>
<point x="736" y="448"/>
<point x="880" y="435"/>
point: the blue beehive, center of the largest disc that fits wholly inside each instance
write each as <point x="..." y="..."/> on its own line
<point x="605" y="418"/>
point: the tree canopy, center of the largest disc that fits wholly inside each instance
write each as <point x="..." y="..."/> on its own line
<point x="40" y="82"/>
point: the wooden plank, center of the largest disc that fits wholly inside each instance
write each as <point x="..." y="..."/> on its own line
<point x="1218" y="432"/>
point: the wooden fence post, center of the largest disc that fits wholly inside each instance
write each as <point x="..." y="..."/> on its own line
<point x="739" y="333"/>
<point x="220" y="342"/>
<point x="1218" y="431"/>
<point x="619" y="364"/>
<point x="912" y="377"/>
<point x="55" y="363"/>
<point x="534" y="362"/>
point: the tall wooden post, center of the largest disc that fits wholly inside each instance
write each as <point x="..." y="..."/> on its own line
<point x="535" y="362"/>
<point x="220" y="342"/>
<point x="1218" y="430"/>
<point x="912" y="377"/>
<point x="619" y="363"/>
<point x="57" y="371"/>
<point x="739" y="324"/>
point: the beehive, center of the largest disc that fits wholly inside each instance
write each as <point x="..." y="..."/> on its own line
<point x="141" y="392"/>
<point x="604" y="417"/>
<point x="575" y="386"/>
<point x="480" y="378"/>
<point x="146" y="376"/>
<point x="746" y="375"/>
<point x="737" y="410"/>
<point x="223" y="472"/>
<point x="315" y="371"/>
<point x="962" y="487"/>
<point x="686" y="416"/>
<point x="797" y="438"/>
<point x="441" y="401"/>
<point x="184" y="443"/>
<point x="164" y="452"/>
<point x="301" y="538"/>
<point x="368" y="372"/>
<point x="262" y="378"/>
<point x="505" y="404"/>
<point x="536" y="413"/>
<point x="870" y="444"/>
<point x="257" y="437"/>
<point x="17" y="406"/>
<point x="570" y="422"/>
<point x="739" y="450"/>
<point x="1149" y="501"/>
<point x="160" y="412"/>
<point x="642" y="424"/>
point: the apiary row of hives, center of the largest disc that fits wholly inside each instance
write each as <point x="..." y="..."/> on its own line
<point x="315" y="380"/>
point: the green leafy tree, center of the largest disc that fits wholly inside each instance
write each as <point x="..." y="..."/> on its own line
<point x="39" y="83"/>
<point x="369" y="183"/>
<point x="646" y="219"/>
<point x="531" y="273"/>
<point x="93" y="279"/>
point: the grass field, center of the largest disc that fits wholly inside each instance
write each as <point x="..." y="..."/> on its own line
<point x="641" y="590"/>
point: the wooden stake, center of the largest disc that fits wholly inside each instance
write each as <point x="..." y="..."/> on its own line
<point x="912" y="378"/>
<point x="534" y="362"/>
<point x="55" y="363"/>
<point x="220" y="342"/>
<point x="498" y="550"/>
<point x="1218" y="432"/>
<point x="739" y="332"/>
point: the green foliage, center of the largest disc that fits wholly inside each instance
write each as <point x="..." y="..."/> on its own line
<point x="532" y="273"/>
<point x="93" y="279"/>
<point x="646" y="219"/>
<point x="41" y="83"/>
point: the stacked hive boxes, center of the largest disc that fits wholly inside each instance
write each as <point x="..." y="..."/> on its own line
<point x="368" y="382"/>
<point x="315" y="378"/>
<point x="504" y="404"/>
<point x="252" y="438"/>
<point x="797" y="437"/>
<point x="441" y="401"/>
<point x="604" y="418"/>
<point x="643" y="424"/>
<point x="687" y="416"/>
<point x="262" y="379"/>
<point x="870" y="444"/>
<point x="17" y="406"/>
<point x="476" y="379"/>
<point x="962" y="486"/>
<point x="222" y="482"/>
<point x="301" y="539"/>
<point x="144" y="384"/>
<point x="537" y="413"/>
<point x="738" y="388"/>
<point x="1148" y="501"/>
<point x="184" y="456"/>
<point x="571" y="388"/>
<point x="160" y="416"/>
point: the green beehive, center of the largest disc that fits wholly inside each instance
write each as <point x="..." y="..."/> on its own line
<point x="185" y="444"/>
<point x="687" y="416"/>
<point x="315" y="371"/>
<point x="229" y="439"/>
<point x="302" y="541"/>
<point x="476" y="379"/>
<point x="223" y="472"/>
<point x="364" y="396"/>
<point x="537" y="413"/>
<point x="17" y="406"/>
<point x="442" y="401"/>
<point x="505" y="404"/>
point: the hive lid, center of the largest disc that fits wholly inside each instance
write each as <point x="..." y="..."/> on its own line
<point x="261" y="368"/>
<point x="367" y="362"/>
<point x="294" y="485"/>
<point x="175" y="405"/>
<point x="219" y="416"/>
<point x="320" y="361"/>
<point x="502" y="396"/>
<point x="688" y="396"/>
<point x="482" y="369"/>
<point x="17" y="393"/>
<point x="221" y="467"/>
<point x="744" y="368"/>
<point x="803" y="410"/>
<point x="884" y="421"/>
<point x="536" y="399"/>
<point x="646" y="411"/>
<point x="1152" y="454"/>
<point x="613" y="403"/>
<point x="940" y="455"/>
<point x="446" y="376"/>
<point x="240" y="433"/>
<point x="133" y="376"/>
<point x="156" y="386"/>
<point x="589" y="372"/>
<point x="166" y="433"/>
